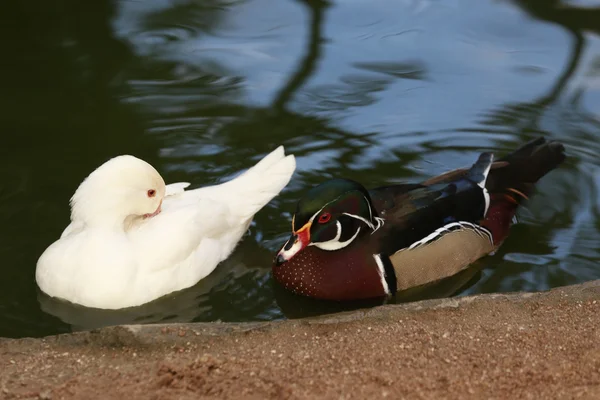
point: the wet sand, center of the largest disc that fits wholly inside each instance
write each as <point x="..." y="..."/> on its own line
<point x="518" y="346"/>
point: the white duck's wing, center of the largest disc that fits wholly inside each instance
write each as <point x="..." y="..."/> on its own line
<point x="219" y="213"/>
<point x="173" y="235"/>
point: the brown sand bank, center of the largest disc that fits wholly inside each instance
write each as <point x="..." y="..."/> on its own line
<point x="533" y="346"/>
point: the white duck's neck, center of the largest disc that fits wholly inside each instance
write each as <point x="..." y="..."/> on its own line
<point x="107" y="223"/>
<point x="96" y="217"/>
<point x="100" y="212"/>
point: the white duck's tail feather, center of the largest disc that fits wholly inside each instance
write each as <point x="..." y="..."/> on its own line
<point x="261" y="183"/>
<point x="252" y="190"/>
<point x="267" y="161"/>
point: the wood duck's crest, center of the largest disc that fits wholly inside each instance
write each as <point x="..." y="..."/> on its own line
<point x="332" y="191"/>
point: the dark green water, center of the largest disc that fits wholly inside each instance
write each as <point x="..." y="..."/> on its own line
<point x="380" y="91"/>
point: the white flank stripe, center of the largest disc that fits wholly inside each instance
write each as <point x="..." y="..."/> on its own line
<point x="369" y="224"/>
<point x="448" y="228"/>
<point x="378" y="221"/>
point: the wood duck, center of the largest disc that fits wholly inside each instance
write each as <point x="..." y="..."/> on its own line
<point x="351" y="243"/>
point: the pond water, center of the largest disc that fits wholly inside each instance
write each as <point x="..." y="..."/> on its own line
<point x="381" y="91"/>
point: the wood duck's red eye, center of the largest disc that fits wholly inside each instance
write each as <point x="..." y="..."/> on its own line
<point x="151" y="193"/>
<point x="324" y="218"/>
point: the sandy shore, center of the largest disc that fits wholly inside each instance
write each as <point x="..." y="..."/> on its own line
<point x="539" y="346"/>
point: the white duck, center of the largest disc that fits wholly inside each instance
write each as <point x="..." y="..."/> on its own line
<point x="133" y="239"/>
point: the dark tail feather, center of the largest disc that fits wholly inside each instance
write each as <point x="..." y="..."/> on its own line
<point x="524" y="167"/>
<point x="514" y="181"/>
<point x="478" y="173"/>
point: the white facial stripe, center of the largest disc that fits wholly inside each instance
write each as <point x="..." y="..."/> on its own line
<point x="288" y="254"/>
<point x="369" y="205"/>
<point x="351" y="215"/>
<point x="381" y="271"/>
<point x="335" y="244"/>
<point x="338" y="234"/>
<point x="369" y="224"/>
<point x="314" y="215"/>
<point x="379" y="221"/>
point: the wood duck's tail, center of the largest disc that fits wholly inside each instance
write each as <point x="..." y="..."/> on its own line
<point x="512" y="180"/>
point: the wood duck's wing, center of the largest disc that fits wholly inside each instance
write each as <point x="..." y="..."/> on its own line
<point x="439" y="229"/>
<point x="412" y="214"/>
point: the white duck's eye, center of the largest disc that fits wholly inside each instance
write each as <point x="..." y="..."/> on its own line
<point x="151" y="193"/>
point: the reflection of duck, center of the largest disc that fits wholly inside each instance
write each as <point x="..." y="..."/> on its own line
<point x="132" y="239"/>
<point x="350" y="243"/>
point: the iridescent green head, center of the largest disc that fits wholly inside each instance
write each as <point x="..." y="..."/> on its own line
<point x="330" y="216"/>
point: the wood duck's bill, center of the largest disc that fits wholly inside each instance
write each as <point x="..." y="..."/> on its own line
<point x="297" y="242"/>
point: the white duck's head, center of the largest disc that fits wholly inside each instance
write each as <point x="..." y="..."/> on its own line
<point x="122" y="187"/>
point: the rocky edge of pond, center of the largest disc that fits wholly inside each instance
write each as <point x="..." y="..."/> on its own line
<point x="499" y="346"/>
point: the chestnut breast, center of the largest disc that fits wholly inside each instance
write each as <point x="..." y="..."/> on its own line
<point x="345" y="274"/>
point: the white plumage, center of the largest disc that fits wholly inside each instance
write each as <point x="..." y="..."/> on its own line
<point x="133" y="239"/>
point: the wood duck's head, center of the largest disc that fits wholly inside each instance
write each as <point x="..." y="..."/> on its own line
<point x="331" y="216"/>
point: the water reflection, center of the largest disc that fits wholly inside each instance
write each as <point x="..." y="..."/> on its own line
<point x="379" y="91"/>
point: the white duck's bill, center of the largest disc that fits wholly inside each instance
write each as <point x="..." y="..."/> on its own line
<point x="155" y="213"/>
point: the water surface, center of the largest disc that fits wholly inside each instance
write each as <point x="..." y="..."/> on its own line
<point x="381" y="91"/>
